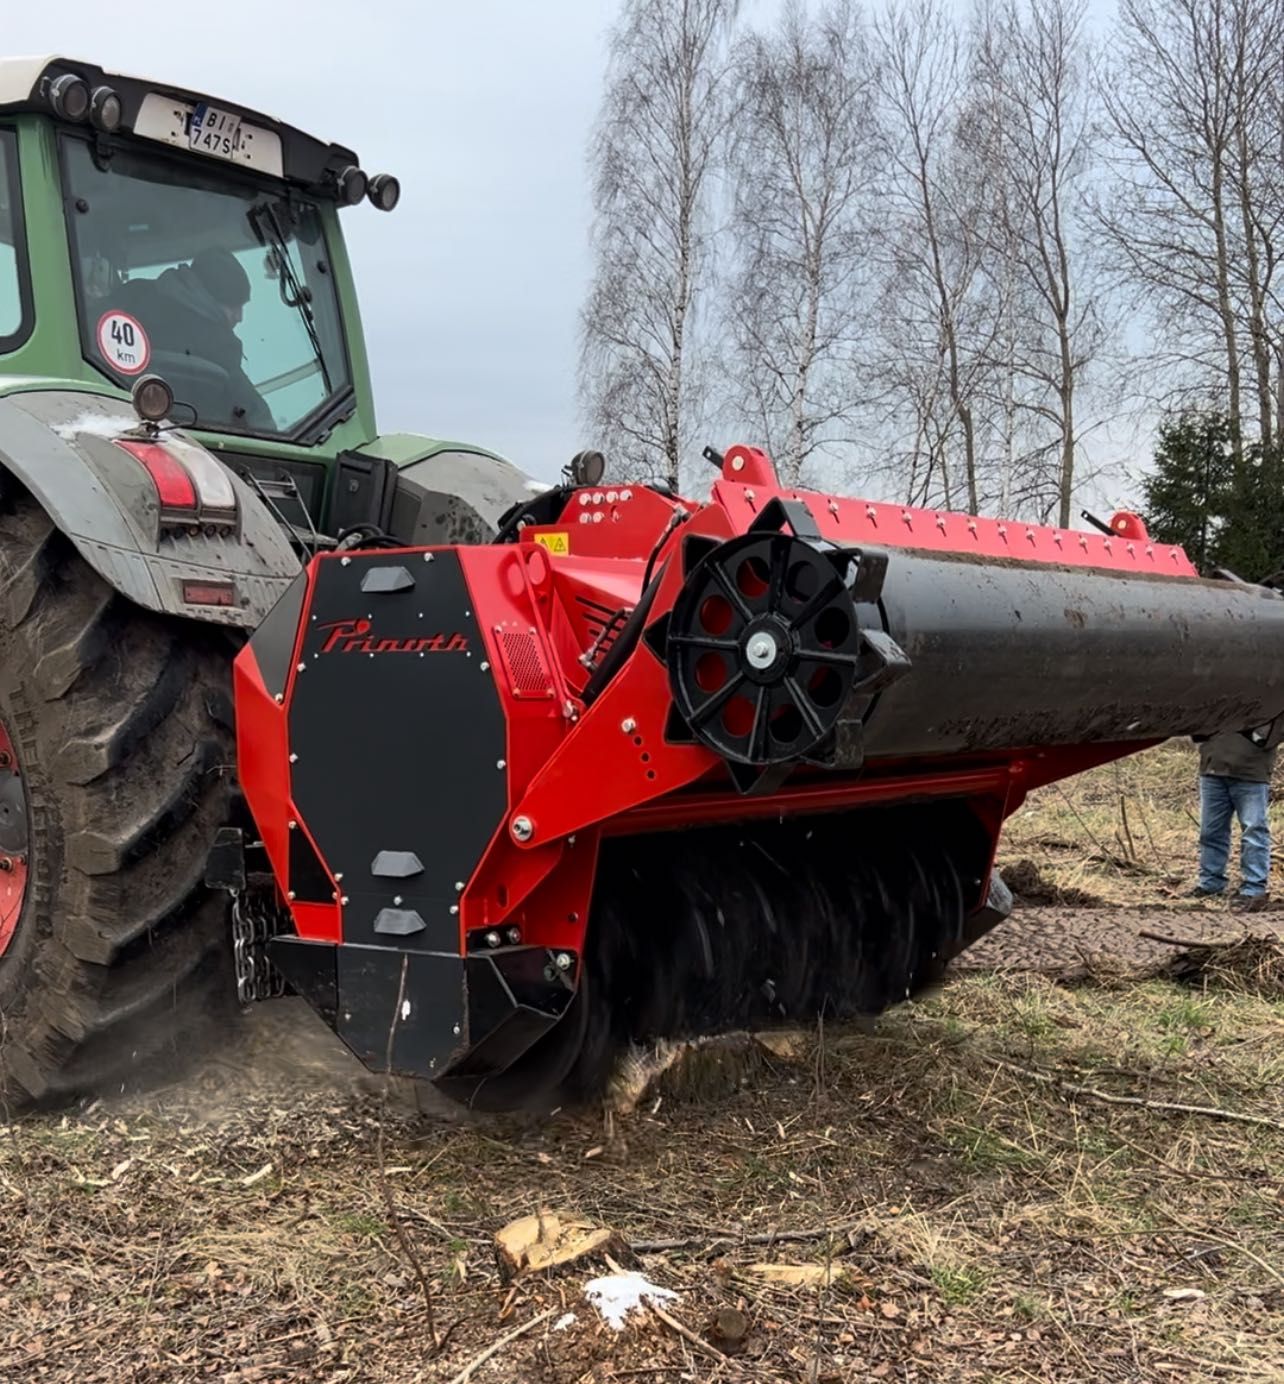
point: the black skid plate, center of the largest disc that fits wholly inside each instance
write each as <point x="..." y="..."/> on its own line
<point x="398" y="736"/>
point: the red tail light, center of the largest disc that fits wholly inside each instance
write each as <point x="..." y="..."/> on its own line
<point x="191" y="486"/>
<point x="174" y="488"/>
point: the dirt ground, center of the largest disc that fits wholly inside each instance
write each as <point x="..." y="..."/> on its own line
<point x="1051" y="940"/>
<point x="1069" y="1165"/>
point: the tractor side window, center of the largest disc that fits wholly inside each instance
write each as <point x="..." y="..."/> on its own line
<point x="278" y="354"/>
<point x="14" y="295"/>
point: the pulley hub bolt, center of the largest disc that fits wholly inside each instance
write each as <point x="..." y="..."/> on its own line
<point x="523" y="829"/>
<point x="563" y="960"/>
<point x="762" y="650"/>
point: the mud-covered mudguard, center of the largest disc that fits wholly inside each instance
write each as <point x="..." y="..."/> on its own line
<point x="449" y="492"/>
<point x="59" y="445"/>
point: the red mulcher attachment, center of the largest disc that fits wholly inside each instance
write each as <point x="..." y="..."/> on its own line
<point x="649" y="768"/>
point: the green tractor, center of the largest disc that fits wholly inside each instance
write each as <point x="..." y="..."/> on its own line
<point x="185" y="416"/>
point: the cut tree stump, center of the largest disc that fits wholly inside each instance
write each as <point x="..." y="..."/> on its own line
<point x="555" y="1240"/>
<point x="700" y="1069"/>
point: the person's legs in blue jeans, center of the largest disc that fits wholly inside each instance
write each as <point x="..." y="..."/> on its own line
<point x="1216" y="811"/>
<point x="1250" y="801"/>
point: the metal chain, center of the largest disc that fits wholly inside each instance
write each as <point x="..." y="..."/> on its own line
<point x="254" y="920"/>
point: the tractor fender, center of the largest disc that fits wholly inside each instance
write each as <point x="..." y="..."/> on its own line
<point x="59" y="444"/>
<point x="447" y="492"/>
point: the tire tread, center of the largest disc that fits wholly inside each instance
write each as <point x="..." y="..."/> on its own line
<point x="120" y="722"/>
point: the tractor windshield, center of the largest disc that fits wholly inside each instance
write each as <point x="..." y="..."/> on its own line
<point x="222" y="287"/>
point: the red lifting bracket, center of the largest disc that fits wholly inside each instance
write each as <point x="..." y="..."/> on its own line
<point x="1129" y="525"/>
<point x="749" y="466"/>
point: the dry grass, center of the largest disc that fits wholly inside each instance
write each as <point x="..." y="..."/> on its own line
<point x="982" y="1207"/>
<point x="1252" y="964"/>
<point x="1126" y="833"/>
<point x="989" y="1226"/>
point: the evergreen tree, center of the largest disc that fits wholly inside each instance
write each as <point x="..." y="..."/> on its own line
<point x="1189" y="494"/>
<point x="1225" y="512"/>
<point x="1250" y="541"/>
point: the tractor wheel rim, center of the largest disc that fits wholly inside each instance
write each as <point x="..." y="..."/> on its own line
<point x="14" y="840"/>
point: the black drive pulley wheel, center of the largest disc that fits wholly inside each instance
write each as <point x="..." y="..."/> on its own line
<point x="763" y="647"/>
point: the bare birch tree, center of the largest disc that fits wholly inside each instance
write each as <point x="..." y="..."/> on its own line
<point x="1194" y="98"/>
<point x="652" y="155"/>
<point x="800" y="166"/>
<point x="1031" y="60"/>
<point x="931" y="248"/>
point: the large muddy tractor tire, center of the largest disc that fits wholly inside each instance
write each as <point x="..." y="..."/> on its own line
<point x="116" y="753"/>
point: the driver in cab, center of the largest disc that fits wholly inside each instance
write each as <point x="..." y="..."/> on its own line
<point x="193" y="310"/>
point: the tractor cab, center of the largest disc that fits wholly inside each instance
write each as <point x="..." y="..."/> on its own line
<point x="146" y="229"/>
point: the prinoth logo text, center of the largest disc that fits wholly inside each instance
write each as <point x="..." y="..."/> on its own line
<point x="354" y="637"/>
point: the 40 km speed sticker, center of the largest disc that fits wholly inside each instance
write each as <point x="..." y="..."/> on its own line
<point x="123" y="343"/>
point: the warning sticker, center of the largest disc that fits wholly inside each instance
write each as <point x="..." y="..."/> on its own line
<point x="557" y="543"/>
<point x="123" y="343"/>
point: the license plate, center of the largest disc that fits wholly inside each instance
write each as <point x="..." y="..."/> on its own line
<point x="213" y="131"/>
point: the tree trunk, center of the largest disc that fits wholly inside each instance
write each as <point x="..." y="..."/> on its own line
<point x="1062" y="297"/>
<point x="687" y="74"/>
<point x="1225" y="306"/>
<point x="1066" y="491"/>
<point x="1009" y="381"/>
<point x="958" y="401"/>
<point x="806" y="355"/>
<point x="1256" y="289"/>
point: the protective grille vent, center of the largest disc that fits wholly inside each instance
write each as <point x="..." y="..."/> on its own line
<point x="603" y="625"/>
<point x="524" y="664"/>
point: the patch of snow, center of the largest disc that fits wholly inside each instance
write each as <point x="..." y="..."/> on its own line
<point x="96" y="425"/>
<point x="618" y="1294"/>
<point x="564" y="1321"/>
<point x="538" y="487"/>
